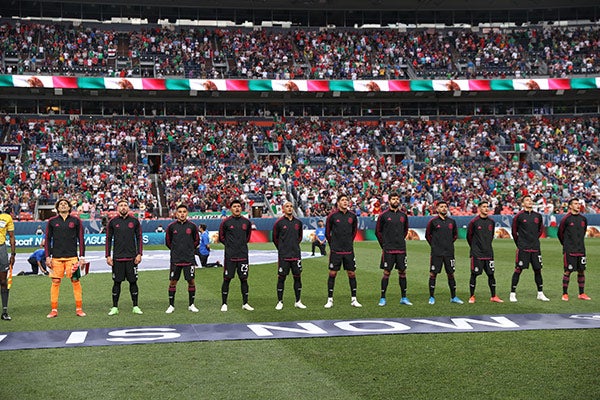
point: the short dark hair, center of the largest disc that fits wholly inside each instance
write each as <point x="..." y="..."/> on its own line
<point x="340" y="197"/>
<point x="572" y="200"/>
<point x="122" y="201"/>
<point x="394" y="194"/>
<point x="235" y="201"/>
<point x="182" y="206"/>
<point x="482" y="202"/>
<point x="61" y="200"/>
<point x="439" y="203"/>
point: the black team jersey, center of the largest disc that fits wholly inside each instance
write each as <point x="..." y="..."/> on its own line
<point x="127" y="235"/>
<point x="287" y="235"/>
<point x="480" y="234"/>
<point x="340" y="230"/>
<point x="571" y="233"/>
<point x="234" y="233"/>
<point x="62" y="237"/>
<point x="391" y="231"/>
<point x="527" y="228"/>
<point x="182" y="239"/>
<point x="441" y="234"/>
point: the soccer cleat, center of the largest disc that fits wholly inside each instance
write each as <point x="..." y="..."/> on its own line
<point x="456" y="300"/>
<point x="432" y="300"/>
<point x="113" y="311"/>
<point x="496" y="299"/>
<point x="382" y="302"/>
<point x="224" y="308"/>
<point x="137" y="310"/>
<point x="329" y="303"/>
<point x="405" y="301"/>
<point x="584" y="296"/>
<point x="53" y="314"/>
<point x="299" y="305"/>
<point x="355" y="303"/>
<point x="513" y="297"/>
<point x="5" y="317"/>
<point x="79" y="312"/>
<point x="247" y="307"/>
<point x="170" y="310"/>
<point x="541" y="296"/>
<point x="193" y="308"/>
<point x="565" y="297"/>
<point x="472" y="300"/>
<point x="279" y="305"/>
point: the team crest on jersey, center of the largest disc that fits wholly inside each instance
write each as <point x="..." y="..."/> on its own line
<point x="401" y="219"/>
<point x="582" y="224"/>
<point x="71" y="225"/>
<point x="450" y="226"/>
<point x="536" y="220"/>
<point x="296" y="227"/>
<point x="244" y="227"/>
<point x="188" y="231"/>
<point x="349" y="220"/>
<point x="130" y="225"/>
<point x="117" y="226"/>
<point x="490" y="228"/>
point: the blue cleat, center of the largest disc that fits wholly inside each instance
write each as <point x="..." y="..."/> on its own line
<point x="382" y="302"/>
<point x="432" y="300"/>
<point x="405" y="301"/>
<point x="456" y="300"/>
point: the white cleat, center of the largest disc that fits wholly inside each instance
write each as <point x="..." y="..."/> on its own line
<point x="224" y="308"/>
<point x="248" y="307"/>
<point x="329" y="303"/>
<point x="513" y="297"/>
<point x="170" y="310"/>
<point x="355" y="303"/>
<point x="299" y="304"/>
<point x="193" y="308"/>
<point x="279" y="305"/>
<point x="541" y="296"/>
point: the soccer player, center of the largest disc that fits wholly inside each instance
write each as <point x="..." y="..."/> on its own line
<point x="204" y="249"/>
<point x="480" y="234"/>
<point x="7" y="227"/>
<point x="234" y="233"/>
<point x="319" y="240"/>
<point x="527" y="228"/>
<point x="441" y="233"/>
<point x="126" y="233"/>
<point x="64" y="235"/>
<point x="182" y="238"/>
<point x="340" y="229"/>
<point x="391" y="231"/>
<point x="287" y="236"/>
<point x="571" y="233"/>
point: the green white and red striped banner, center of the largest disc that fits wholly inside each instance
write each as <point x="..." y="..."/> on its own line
<point x="294" y="85"/>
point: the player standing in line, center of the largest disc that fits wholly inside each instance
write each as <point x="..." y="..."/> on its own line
<point x="287" y="236"/>
<point x="7" y="227"/>
<point x="441" y="233"/>
<point x="234" y="233"/>
<point x="64" y="233"/>
<point x="571" y="233"/>
<point x="391" y="231"/>
<point x="527" y="227"/>
<point x="126" y="232"/>
<point x="182" y="238"/>
<point x="480" y="235"/>
<point x="340" y="229"/>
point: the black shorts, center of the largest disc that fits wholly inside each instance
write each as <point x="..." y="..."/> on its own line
<point x="285" y="266"/>
<point x="124" y="269"/>
<point x="337" y="260"/>
<point x="524" y="258"/>
<point x="389" y="261"/>
<point x="436" y="263"/>
<point x="478" y="266"/>
<point x="574" y="263"/>
<point x="188" y="272"/>
<point x="231" y="267"/>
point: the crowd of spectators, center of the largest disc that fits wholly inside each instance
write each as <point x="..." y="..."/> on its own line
<point x="276" y="53"/>
<point x="206" y="163"/>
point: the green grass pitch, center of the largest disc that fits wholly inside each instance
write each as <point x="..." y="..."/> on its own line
<point x="552" y="364"/>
